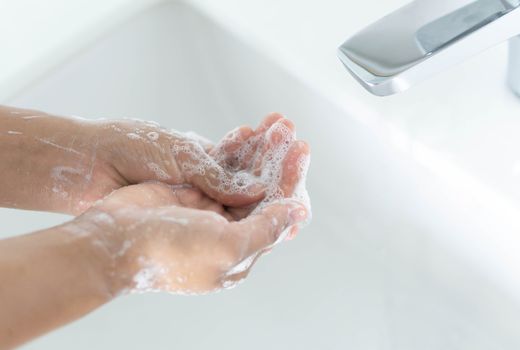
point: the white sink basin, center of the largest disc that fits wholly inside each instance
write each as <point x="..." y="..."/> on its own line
<point x="394" y="259"/>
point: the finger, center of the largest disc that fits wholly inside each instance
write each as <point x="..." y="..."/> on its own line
<point x="232" y="280"/>
<point x="194" y="198"/>
<point x="238" y="148"/>
<point x="226" y="187"/>
<point x="280" y="132"/>
<point x="247" y="152"/>
<point x="260" y="231"/>
<point x="204" y="142"/>
<point x="268" y="122"/>
<point x="293" y="232"/>
<point x="235" y="148"/>
<point x="260" y="141"/>
<point x="146" y="195"/>
<point x="246" y="141"/>
<point x="240" y="213"/>
<point x="267" y="251"/>
<point x="237" y="139"/>
<point x="295" y="167"/>
<point x="229" y="189"/>
<point x="211" y="205"/>
<point x="232" y="141"/>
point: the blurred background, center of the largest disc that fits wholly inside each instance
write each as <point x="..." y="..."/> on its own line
<point x="414" y="242"/>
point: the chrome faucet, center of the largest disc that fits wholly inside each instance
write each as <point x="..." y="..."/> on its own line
<point x="426" y="36"/>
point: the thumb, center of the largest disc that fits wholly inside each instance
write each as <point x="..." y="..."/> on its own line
<point x="265" y="229"/>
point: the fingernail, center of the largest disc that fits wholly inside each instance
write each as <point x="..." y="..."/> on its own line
<point x="298" y="214"/>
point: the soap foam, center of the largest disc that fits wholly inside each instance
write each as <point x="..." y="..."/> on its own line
<point x="195" y="161"/>
<point x="146" y="279"/>
<point x="270" y="163"/>
<point x="256" y="160"/>
<point x="251" y="151"/>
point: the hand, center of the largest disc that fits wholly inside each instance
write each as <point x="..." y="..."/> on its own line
<point x="175" y="239"/>
<point x="135" y="151"/>
<point x="270" y="153"/>
<point x="151" y="236"/>
<point x="230" y="154"/>
<point x="141" y="238"/>
<point x="67" y="164"/>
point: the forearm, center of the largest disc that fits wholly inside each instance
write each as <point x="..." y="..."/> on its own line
<point x="48" y="279"/>
<point x="46" y="162"/>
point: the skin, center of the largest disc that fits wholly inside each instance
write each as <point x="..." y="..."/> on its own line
<point x="89" y="256"/>
<point x="138" y="228"/>
<point x="65" y="165"/>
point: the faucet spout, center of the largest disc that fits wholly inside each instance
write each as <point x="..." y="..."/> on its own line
<point x="427" y="36"/>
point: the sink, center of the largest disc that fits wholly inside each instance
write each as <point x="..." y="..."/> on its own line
<point x="396" y="257"/>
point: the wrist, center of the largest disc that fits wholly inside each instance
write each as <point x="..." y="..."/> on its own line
<point x="100" y="244"/>
<point x="138" y="151"/>
<point x="99" y="176"/>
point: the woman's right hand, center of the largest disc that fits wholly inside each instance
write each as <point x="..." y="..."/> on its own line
<point x="176" y="239"/>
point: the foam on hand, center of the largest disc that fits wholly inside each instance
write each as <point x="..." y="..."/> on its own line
<point x="268" y="154"/>
<point x="238" y="165"/>
<point x="264" y="156"/>
<point x="259" y="159"/>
